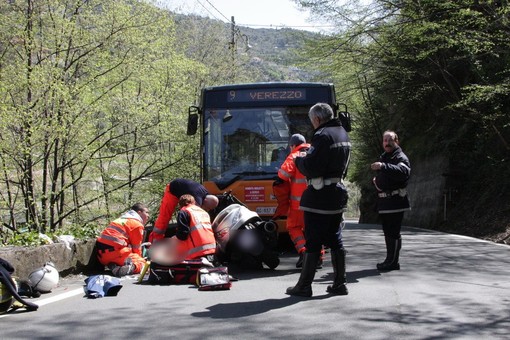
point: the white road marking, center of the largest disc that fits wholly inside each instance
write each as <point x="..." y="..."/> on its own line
<point x="52" y="299"/>
<point x="60" y="297"/>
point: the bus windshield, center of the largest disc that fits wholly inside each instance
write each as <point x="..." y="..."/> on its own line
<point x="249" y="143"/>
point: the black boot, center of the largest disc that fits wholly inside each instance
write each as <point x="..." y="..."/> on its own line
<point x="338" y="261"/>
<point x="304" y="284"/>
<point x="387" y="241"/>
<point x="299" y="263"/>
<point x="393" y="249"/>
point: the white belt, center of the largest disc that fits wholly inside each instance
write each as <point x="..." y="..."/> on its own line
<point x="333" y="180"/>
<point x="400" y="192"/>
<point x="319" y="182"/>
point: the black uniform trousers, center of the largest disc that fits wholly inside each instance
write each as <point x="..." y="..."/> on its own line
<point x="322" y="229"/>
<point x="392" y="224"/>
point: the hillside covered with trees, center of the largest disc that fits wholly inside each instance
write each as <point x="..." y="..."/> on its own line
<point x="94" y="97"/>
<point x="438" y="73"/>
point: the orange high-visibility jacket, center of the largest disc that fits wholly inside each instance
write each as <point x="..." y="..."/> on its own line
<point x="289" y="172"/>
<point x="200" y="241"/>
<point x="126" y="231"/>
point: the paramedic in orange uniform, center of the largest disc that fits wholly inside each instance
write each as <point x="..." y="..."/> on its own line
<point x="194" y="230"/>
<point x="288" y="190"/>
<point x="119" y="245"/>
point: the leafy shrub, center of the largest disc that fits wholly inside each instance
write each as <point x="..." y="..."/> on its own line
<point x="81" y="232"/>
<point x="33" y="238"/>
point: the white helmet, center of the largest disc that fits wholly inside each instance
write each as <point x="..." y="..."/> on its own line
<point x="45" y="278"/>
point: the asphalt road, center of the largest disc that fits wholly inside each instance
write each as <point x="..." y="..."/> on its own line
<point x="449" y="287"/>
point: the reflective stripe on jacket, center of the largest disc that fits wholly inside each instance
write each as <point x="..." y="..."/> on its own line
<point x="126" y="231"/>
<point x="328" y="157"/>
<point x="290" y="173"/>
<point x="200" y="241"/>
<point x="391" y="181"/>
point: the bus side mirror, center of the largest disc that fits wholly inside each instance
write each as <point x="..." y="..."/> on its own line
<point x="345" y="118"/>
<point x="192" y="120"/>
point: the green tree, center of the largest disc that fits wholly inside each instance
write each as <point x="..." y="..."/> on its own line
<point x="92" y="94"/>
<point x="435" y="71"/>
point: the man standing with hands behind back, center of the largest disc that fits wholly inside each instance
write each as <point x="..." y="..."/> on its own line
<point x="325" y="198"/>
<point x="393" y="172"/>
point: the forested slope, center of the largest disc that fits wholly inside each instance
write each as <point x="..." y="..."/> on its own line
<point x="438" y="73"/>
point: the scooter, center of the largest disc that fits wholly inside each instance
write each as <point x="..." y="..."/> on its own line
<point x="242" y="236"/>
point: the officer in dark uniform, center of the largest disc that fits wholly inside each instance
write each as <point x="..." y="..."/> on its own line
<point x="393" y="171"/>
<point x="325" y="198"/>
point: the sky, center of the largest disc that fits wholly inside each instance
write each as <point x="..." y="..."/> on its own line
<point x="251" y="13"/>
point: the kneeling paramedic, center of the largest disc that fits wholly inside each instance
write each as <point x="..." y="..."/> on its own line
<point x="119" y="245"/>
<point x="194" y="231"/>
<point x="324" y="199"/>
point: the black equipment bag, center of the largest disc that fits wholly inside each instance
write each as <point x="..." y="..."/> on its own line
<point x="6" y="269"/>
<point x="182" y="273"/>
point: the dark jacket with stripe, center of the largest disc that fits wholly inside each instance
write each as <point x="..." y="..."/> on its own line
<point x="328" y="157"/>
<point x="392" y="177"/>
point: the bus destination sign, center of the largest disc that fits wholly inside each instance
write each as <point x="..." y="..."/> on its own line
<point x="283" y="94"/>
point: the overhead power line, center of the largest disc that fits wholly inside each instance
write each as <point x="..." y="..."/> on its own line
<point x="256" y="25"/>
<point x="287" y="26"/>
<point x="208" y="11"/>
<point x="216" y="9"/>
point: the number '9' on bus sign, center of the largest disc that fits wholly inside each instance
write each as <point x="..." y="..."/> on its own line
<point x="266" y="95"/>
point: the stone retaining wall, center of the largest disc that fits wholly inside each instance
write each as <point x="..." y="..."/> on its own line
<point x="426" y="192"/>
<point x="76" y="258"/>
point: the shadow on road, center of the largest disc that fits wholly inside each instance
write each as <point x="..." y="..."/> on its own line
<point x="352" y="276"/>
<point x="242" y="309"/>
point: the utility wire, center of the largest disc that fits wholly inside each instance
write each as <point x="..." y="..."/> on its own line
<point x="217" y="10"/>
<point x="208" y="11"/>
<point x="255" y="25"/>
<point x="236" y="31"/>
<point x="285" y="26"/>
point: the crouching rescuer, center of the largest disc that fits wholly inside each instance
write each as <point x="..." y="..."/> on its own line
<point x="119" y="245"/>
<point x="324" y="200"/>
<point x="194" y="231"/>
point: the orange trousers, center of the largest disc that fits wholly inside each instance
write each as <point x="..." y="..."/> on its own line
<point x="119" y="256"/>
<point x="295" y="227"/>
